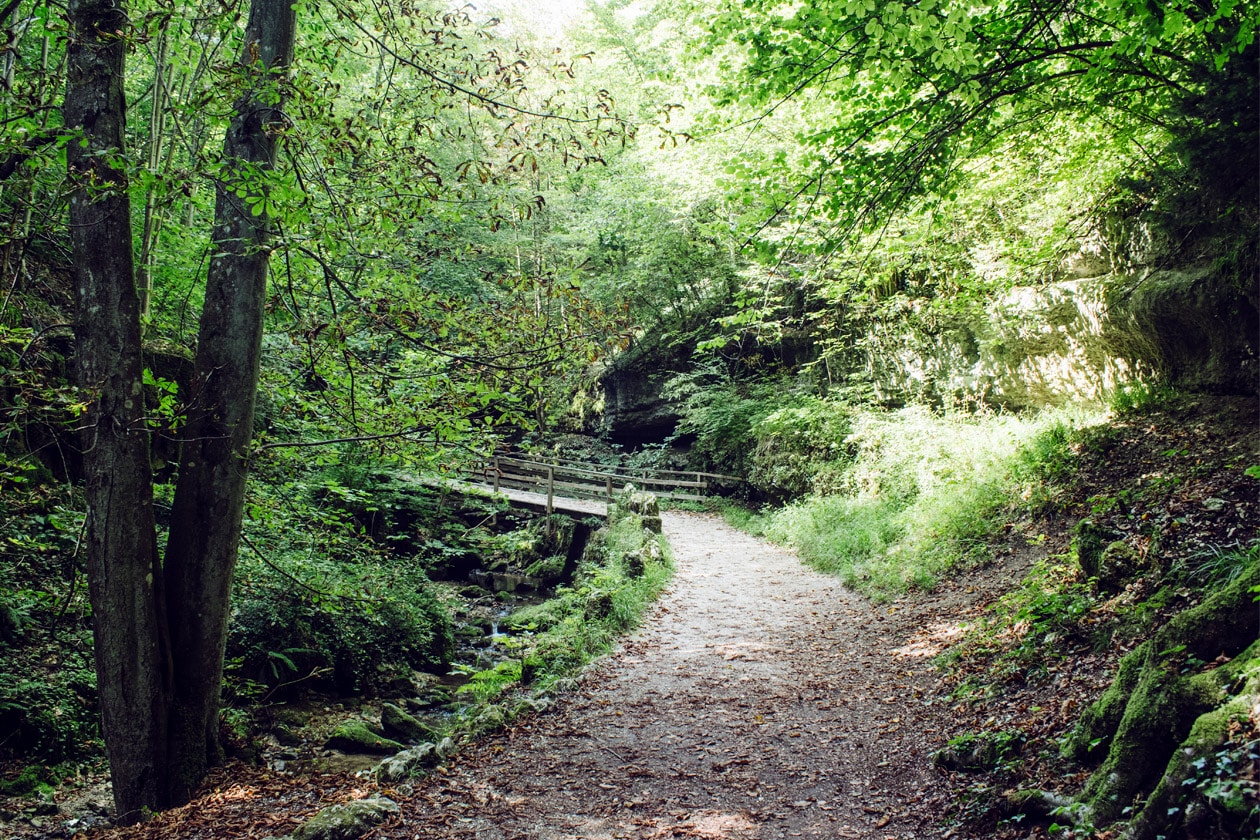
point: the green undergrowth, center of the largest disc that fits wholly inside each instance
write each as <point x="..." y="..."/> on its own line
<point x="921" y="494"/>
<point x="47" y="676"/>
<point x="326" y="595"/>
<point x="622" y="572"/>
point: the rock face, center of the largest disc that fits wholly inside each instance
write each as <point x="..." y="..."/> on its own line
<point x="1142" y="299"/>
<point x="1076" y="338"/>
<point x="1136" y="303"/>
<point x="349" y="821"/>
<point x="1203" y="329"/>
<point x="635" y="409"/>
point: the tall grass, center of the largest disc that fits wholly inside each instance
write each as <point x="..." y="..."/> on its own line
<point x="924" y="493"/>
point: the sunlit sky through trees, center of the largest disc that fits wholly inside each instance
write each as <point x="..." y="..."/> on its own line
<point x="545" y="17"/>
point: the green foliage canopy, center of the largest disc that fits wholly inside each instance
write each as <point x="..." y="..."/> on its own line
<point x="905" y="91"/>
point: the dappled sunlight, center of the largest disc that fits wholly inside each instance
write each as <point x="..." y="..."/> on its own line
<point x="931" y="641"/>
<point x="702" y="825"/>
<point x="232" y="794"/>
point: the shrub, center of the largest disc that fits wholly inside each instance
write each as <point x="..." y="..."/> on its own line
<point x="923" y="494"/>
<point x="353" y="618"/>
<point x="795" y="444"/>
<point x="52" y="716"/>
<point x="720" y="418"/>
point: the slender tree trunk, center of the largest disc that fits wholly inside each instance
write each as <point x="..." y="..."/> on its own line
<point x="157" y="130"/>
<point x="123" y="572"/>
<point x="206" y="519"/>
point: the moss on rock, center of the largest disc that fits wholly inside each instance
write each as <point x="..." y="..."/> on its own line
<point x="348" y="821"/>
<point x="398" y="724"/>
<point x="1156" y="698"/>
<point x="1179" y="799"/>
<point x="355" y="736"/>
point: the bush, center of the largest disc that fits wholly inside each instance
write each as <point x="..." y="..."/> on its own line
<point x="720" y="418"/>
<point x="350" y="622"/>
<point x="795" y="444"/>
<point x="51" y="716"/>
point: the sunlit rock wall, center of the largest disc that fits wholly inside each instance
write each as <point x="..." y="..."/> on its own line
<point x="1076" y="339"/>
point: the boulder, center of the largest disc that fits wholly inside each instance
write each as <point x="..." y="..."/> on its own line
<point x="438" y="695"/>
<point x="355" y="736"/>
<point x="634" y="563"/>
<point x="399" y="725"/>
<point x="285" y="736"/>
<point x="638" y="501"/>
<point x="348" y="821"/>
<point x="1119" y="562"/>
<point x="548" y="570"/>
<point x="1091" y="540"/>
<point x="634" y="502"/>
<point x="414" y="761"/>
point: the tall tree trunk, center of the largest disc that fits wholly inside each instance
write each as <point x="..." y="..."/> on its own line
<point x="157" y="131"/>
<point x="123" y="572"/>
<point x="206" y="519"/>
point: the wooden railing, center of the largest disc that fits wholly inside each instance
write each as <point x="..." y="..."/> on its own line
<point x="577" y="480"/>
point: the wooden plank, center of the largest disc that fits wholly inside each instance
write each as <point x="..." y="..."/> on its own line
<point x="577" y="467"/>
<point x="539" y="472"/>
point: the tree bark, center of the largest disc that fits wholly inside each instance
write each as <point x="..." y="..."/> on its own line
<point x="123" y="572"/>
<point x="206" y="519"/>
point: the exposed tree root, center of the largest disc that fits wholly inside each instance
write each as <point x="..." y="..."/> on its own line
<point x="1163" y="716"/>
<point x="1163" y="719"/>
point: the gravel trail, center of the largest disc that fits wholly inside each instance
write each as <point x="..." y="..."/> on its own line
<point x="759" y="700"/>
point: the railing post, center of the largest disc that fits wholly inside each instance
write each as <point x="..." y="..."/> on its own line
<point x="495" y="467"/>
<point x="608" y="486"/>
<point x="551" y="490"/>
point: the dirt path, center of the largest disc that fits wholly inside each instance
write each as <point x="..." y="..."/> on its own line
<point x="760" y="700"/>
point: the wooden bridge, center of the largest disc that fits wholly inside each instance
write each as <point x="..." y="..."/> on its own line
<point x="559" y="485"/>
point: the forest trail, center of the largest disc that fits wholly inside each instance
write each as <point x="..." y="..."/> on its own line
<point x="759" y="700"/>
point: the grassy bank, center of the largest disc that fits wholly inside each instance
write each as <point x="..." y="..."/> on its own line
<point x="919" y="494"/>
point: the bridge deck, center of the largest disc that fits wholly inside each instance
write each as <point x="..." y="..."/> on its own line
<point x="523" y="498"/>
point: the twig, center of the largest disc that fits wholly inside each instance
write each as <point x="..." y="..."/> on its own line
<point x="300" y="583"/>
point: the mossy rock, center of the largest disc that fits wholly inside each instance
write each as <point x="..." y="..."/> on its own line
<point x="348" y="821"/>
<point x="355" y="736"/>
<point x="598" y="605"/>
<point x="1156" y="698"/>
<point x="1119" y="562"/>
<point x="635" y="564"/>
<point x="438" y="695"/>
<point x="596" y="551"/>
<point x="414" y="762"/>
<point x="398" y="724"/>
<point x="636" y="501"/>
<point x="538" y="617"/>
<point x="547" y="569"/>
<point x="1090" y="541"/>
<point x="1178" y="805"/>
